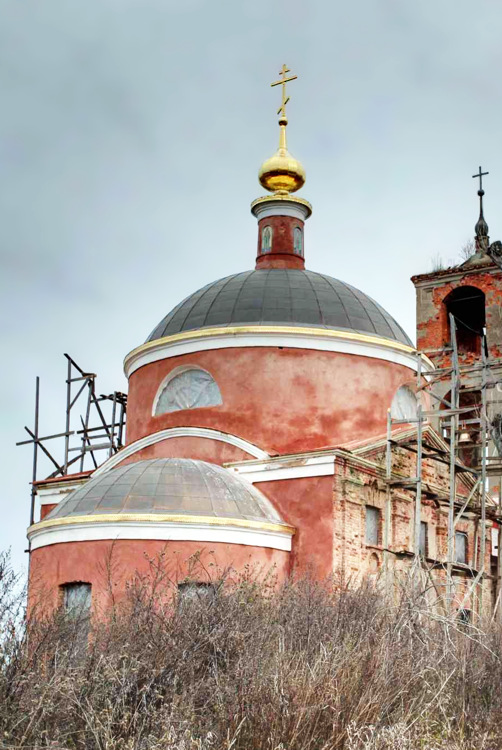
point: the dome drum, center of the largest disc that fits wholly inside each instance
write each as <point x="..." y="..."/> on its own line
<point x="280" y="243"/>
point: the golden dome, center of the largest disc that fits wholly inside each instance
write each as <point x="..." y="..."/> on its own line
<point x="282" y="173"/>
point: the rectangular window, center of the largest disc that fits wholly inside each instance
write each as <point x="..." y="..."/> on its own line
<point x="77" y="600"/>
<point x="461" y="547"/>
<point x="424" y="533"/>
<point x="372" y="525"/>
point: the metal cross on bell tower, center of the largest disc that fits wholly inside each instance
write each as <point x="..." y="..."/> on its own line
<point x="480" y="174"/>
<point x="481" y="227"/>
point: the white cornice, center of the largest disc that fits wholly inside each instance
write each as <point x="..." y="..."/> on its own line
<point x="53" y="493"/>
<point x="292" y="337"/>
<point x="456" y="274"/>
<point x="43" y="536"/>
<point x="284" y="468"/>
<point x="281" y="208"/>
<point x="179" y="432"/>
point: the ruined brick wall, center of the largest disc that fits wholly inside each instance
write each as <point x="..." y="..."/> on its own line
<point x="357" y="486"/>
<point x="432" y="319"/>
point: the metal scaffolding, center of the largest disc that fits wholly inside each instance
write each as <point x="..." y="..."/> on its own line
<point x="469" y="427"/>
<point x="99" y="421"/>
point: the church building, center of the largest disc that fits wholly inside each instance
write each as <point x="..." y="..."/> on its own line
<point x="279" y="419"/>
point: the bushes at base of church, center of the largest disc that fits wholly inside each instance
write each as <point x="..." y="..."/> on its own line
<point x="242" y="665"/>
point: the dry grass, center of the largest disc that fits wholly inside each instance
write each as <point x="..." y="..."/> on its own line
<point x="311" y="666"/>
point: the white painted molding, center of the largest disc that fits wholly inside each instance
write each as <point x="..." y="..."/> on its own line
<point x="164" y="532"/>
<point x="179" y="432"/>
<point x="326" y="340"/>
<point x="275" y="470"/>
<point x="281" y="208"/>
<point x="53" y="493"/>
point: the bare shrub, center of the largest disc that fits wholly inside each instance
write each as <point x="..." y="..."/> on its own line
<point x="437" y="263"/>
<point x="252" y="666"/>
<point x="467" y="250"/>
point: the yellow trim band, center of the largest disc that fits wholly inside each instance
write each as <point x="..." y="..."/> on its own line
<point x="109" y="518"/>
<point x="291" y="330"/>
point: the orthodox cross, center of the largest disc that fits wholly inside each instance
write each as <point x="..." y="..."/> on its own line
<point x="480" y="176"/>
<point x="481" y="227"/>
<point x="283" y="81"/>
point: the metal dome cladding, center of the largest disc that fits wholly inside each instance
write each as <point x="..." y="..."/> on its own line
<point x="280" y="296"/>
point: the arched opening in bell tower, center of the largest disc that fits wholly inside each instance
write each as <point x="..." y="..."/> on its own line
<point x="467" y="305"/>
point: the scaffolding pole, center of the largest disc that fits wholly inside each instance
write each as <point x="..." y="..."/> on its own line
<point x="418" y="492"/>
<point x="453" y="420"/>
<point x="454" y="398"/>
<point x="112" y="432"/>
<point x="388" y="495"/>
<point x="484" y="453"/>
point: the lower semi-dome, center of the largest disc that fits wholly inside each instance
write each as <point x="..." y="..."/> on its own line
<point x="181" y="486"/>
<point x="281" y="296"/>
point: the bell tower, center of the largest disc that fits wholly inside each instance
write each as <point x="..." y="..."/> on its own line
<point x="469" y="298"/>
<point x="471" y="292"/>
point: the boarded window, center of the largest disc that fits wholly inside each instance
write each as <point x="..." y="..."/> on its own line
<point x="404" y="404"/>
<point x="461" y="547"/>
<point x="189" y="389"/>
<point x="196" y="592"/>
<point x="372" y="525"/>
<point x="424" y="539"/>
<point x="464" y="615"/>
<point x="77" y="600"/>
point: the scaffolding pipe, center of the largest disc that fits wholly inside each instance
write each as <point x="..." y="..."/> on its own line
<point x="418" y="495"/>
<point x="85" y="424"/>
<point x="112" y="438"/>
<point x="484" y="444"/>
<point x="68" y="407"/>
<point x="388" y="497"/>
<point x="453" y="465"/>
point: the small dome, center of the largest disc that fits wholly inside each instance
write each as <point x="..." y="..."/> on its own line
<point x="282" y="173"/>
<point x="168" y="485"/>
<point x="281" y="296"/>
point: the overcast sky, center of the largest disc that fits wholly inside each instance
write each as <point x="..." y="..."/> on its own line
<point x="131" y="133"/>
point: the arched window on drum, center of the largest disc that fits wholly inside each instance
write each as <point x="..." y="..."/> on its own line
<point x="298" y="241"/>
<point x="266" y="239"/>
<point x="404" y="404"/>
<point x="186" y="388"/>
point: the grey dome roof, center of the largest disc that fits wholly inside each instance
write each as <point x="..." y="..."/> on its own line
<point x="168" y="485"/>
<point x="281" y="296"/>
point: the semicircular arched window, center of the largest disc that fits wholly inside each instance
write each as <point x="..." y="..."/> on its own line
<point x="187" y="389"/>
<point x="404" y="404"/>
